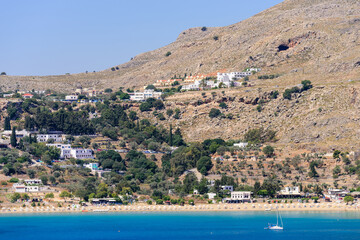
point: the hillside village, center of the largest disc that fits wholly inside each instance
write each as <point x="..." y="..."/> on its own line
<point x="231" y="171"/>
<point x="236" y="114"/>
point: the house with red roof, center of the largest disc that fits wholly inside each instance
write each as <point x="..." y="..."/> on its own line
<point x="27" y="95"/>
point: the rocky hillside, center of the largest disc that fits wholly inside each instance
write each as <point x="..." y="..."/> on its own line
<point x="314" y="39"/>
<point x="323" y="118"/>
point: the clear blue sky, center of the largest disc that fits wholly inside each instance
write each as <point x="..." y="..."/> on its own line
<point x="46" y="37"/>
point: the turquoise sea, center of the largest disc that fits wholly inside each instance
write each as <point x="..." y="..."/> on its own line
<point x="182" y="225"/>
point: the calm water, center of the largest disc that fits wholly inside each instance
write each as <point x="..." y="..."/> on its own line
<point x="158" y="226"/>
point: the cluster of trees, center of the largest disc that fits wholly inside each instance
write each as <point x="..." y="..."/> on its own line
<point x="306" y="85"/>
<point x="271" y="76"/>
<point x="260" y="135"/>
<point x="69" y="122"/>
<point x="151" y="103"/>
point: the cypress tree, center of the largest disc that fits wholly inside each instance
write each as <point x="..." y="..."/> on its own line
<point x="171" y="136"/>
<point x="13" y="141"/>
<point x="7" y="125"/>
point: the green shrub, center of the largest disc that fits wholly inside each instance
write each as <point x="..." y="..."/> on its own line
<point x="14" y="180"/>
<point x="214" y="112"/>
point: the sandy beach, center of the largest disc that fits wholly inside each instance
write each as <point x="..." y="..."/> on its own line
<point x="200" y="207"/>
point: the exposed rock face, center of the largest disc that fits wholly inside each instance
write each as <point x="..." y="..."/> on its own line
<point x="317" y="38"/>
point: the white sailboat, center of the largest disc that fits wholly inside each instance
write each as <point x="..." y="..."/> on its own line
<point x="276" y="226"/>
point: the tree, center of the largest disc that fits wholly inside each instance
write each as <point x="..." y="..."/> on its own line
<point x="348" y="199"/>
<point x="108" y="90"/>
<point x="65" y="194"/>
<point x="49" y="195"/>
<point x="223" y="105"/>
<point x="3" y="73"/>
<point x="306" y="85"/>
<point x="31" y="173"/>
<point x="151" y="86"/>
<point x="203" y="29"/>
<point x="133" y="115"/>
<point x="287" y="94"/>
<point x="158" y="105"/>
<point x="336" y="171"/>
<point x="145" y="106"/>
<point x="7" y="125"/>
<point x="169" y="112"/>
<point x="336" y="154"/>
<point x="170" y="136"/>
<point x="313" y="173"/>
<point x="214" y="112"/>
<point x="168" y="54"/>
<point x="13" y="140"/>
<point x="44" y="179"/>
<point x="204" y="164"/>
<point x="268" y="151"/>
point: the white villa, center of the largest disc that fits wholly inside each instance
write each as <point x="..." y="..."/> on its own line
<point x="212" y="195"/>
<point x="32" y="181"/>
<point x="336" y="194"/>
<point x="289" y="192"/>
<point x="92" y="166"/>
<point x="79" y="153"/>
<point x="64" y="149"/>
<point x="71" y="98"/>
<point x="230" y="188"/>
<point x="239" y="197"/>
<point x="29" y="185"/>
<point x="142" y="96"/>
<point x="229" y="77"/>
<point x="68" y="152"/>
<point x="45" y="137"/>
<point x="19" y="134"/>
<point x="192" y="87"/>
<point x="241" y="144"/>
<point x="22" y="188"/>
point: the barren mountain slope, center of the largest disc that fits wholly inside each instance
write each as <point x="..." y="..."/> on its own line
<point x="321" y="38"/>
<point x="321" y="119"/>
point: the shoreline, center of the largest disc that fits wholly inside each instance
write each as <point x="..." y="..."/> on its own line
<point x="247" y="207"/>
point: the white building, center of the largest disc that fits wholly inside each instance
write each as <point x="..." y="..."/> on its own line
<point x="289" y="192"/>
<point x="79" y="153"/>
<point x="241" y="144"/>
<point x="7" y="95"/>
<point x="142" y="96"/>
<point x="27" y="95"/>
<point x="253" y="69"/>
<point x="19" y="134"/>
<point x="57" y="137"/>
<point x="22" y="188"/>
<point x="33" y="181"/>
<point x="336" y="194"/>
<point x="212" y="195"/>
<point x="230" y="188"/>
<point x="92" y="166"/>
<point x="191" y="87"/>
<point x="64" y="149"/>
<point x="240" y="196"/>
<point x="229" y="77"/>
<point x="71" y="98"/>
